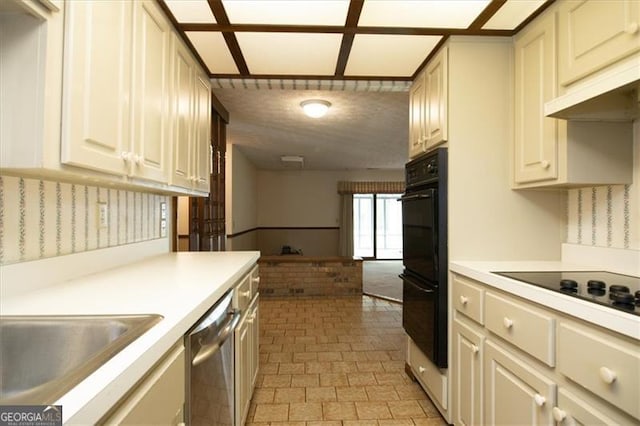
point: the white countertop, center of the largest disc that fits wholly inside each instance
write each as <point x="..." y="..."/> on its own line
<point x="179" y="286"/>
<point x="612" y="319"/>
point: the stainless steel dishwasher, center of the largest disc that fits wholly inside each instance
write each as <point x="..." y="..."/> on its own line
<point x="210" y="366"/>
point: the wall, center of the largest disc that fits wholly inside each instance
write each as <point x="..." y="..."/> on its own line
<point x="488" y="220"/>
<point x="607" y="216"/>
<point x="42" y="219"/>
<point x="305" y="199"/>
<point x="240" y="200"/>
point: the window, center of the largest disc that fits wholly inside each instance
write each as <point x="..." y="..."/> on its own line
<point x="377" y="226"/>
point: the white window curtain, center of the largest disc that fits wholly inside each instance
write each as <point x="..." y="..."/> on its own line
<point x="346" y="191"/>
<point x="346" y="225"/>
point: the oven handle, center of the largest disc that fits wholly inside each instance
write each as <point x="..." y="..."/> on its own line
<point x="403" y="277"/>
<point x="414" y="197"/>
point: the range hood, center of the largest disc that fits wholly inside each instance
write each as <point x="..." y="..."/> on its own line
<point x="612" y="96"/>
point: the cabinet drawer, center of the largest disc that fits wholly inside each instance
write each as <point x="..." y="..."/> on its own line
<point x="468" y="298"/>
<point x="427" y="374"/>
<point x="529" y="329"/>
<point x="572" y="408"/>
<point x="242" y="295"/>
<point x="605" y="365"/>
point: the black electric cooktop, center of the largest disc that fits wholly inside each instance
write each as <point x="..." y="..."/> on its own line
<point x="616" y="291"/>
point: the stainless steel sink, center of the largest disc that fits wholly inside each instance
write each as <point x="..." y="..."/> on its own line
<point x="43" y="357"/>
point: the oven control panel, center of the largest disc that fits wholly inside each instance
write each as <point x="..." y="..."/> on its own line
<point x="423" y="170"/>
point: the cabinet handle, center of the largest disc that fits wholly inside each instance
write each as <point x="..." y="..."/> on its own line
<point x="421" y="369"/>
<point x="632" y="28"/>
<point x="545" y="164"/>
<point x="539" y="399"/>
<point x="463" y="300"/>
<point x="475" y="349"/>
<point x="608" y="376"/>
<point x="558" y="414"/>
<point x="508" y="323"/>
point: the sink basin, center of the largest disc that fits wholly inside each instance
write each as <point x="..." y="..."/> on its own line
<point x="43" y="357"/>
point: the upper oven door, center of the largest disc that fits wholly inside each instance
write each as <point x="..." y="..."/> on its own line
<point x="420" y="233"/>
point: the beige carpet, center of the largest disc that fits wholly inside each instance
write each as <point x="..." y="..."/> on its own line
<point x="380" y="279"/>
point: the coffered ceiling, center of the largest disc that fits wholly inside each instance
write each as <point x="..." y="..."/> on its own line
<point x="335" y="39"/>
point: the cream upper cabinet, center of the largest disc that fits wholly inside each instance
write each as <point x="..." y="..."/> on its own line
<point x="515" y="393"/>
<point x="96" y="86"/>
<point x="191" y="106"/>
<point x="552" y="152"/>
<point x="428" y="106"/>
<point x="595" y="34"/>
<point x="151" y="131"/>
<point x="536" y="136"/>
<point x="417" y="115"/>
<point x="436" y="100"/>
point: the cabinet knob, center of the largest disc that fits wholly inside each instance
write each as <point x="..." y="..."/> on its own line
<point x="137" y="159"/>
<point x="475" y="349"/>
<point x="126" y="156"/>
<point x="545" y="164"/>
<point x="255" y="280"/>
<point x="463" y="300"/>
<point x="245" y="293"/>
<point x="632" y="28"/>
<point x="558" y="414"/>
<point x="508" y="323"/>
<point x="421" y="369"/>
<point x="539" y="399"/>
<point x="608" y="376"/>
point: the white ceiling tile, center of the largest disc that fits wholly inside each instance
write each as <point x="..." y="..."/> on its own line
<point x="291" y="12"/>
<point x="214" y="52"/>
<point x="287" y="53"/>
<point x="512" y="13"/>
<point x="388" y="55"/>
<point x="421" y="13"/>
<point x="191" y="11"/>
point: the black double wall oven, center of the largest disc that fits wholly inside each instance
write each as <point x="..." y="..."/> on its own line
<point x="424" y="245"/>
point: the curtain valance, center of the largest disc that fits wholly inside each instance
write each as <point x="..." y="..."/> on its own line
<point x="345" y="187"/>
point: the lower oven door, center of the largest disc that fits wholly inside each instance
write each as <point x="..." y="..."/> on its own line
<point x="420" y="318"/>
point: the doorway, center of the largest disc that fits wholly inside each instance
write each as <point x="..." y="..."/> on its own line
<point x="377" y="226"/>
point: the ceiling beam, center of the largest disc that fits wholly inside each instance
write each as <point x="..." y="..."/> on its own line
<point x="335" y="29"/>
<point x="486" y="14"/>
<point x="312" y="77"/>
<point x="229" y="37"/>
<point x="353" y="15"/>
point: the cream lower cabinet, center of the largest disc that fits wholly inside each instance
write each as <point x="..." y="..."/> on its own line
<point x="467" y="374"/>
<point x="158" y="399"/>
<point x="568" y="372"/>
<point x="246" y="361"/>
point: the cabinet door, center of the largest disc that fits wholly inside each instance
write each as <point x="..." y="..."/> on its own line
<point x="96" y="87"/>
<point x="416" y="116"/>
<point x="254" y="329"/>
<point x="467" y="375"/>
<point x="182" y="115"/>
<point x="151" y="92"/>
<point x="536" y="140"/>
<point x="595" y="34"/>
<point x="436" y="104"/>
<point x="242" y="369"/>
<point x="202" y="132"/>
<point x="515" y="393"/>
<point x="572" y="410"/>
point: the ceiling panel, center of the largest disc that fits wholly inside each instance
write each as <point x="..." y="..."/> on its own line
<point x="512" y="13"/>
<point x="288" y="12"/>
<point x="214" y="52"/>
<point x="421" y="13"/>
<point x="191" y="11"/>
<point x="290" y="53"/>
<point x="388" y="55"/>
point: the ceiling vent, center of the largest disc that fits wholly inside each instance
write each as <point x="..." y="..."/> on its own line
<point x="292" y="161"/>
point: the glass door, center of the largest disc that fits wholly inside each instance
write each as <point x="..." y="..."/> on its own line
<point x="377" y="226"/>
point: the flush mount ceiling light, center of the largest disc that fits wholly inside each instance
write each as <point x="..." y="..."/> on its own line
<point x="315" y="108"/>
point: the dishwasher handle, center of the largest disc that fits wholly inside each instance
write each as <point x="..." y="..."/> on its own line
<point x="209" y="346"/>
